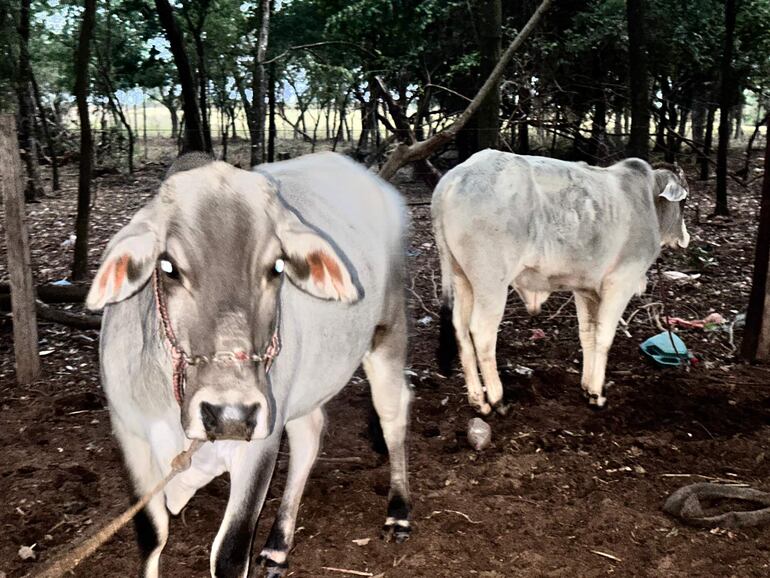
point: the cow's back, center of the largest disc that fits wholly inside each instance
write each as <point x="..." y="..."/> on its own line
<point x="567" y="222"/>
<point x="364" y="218"/>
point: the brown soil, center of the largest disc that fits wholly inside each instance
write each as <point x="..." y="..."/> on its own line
<point x="562" y="491"/>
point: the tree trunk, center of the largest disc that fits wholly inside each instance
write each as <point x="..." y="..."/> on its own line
<point x="28" y="146"/>
<point x="117" y="110"/>
<point x="698" y="123"/>
<point x="25" y="342"/>
<point x="707" y="143"/>
<point x="224" y="125"/>
<point x="482" y="129"/>
<point x="258" y="87"/>
<point x="144" y="124"/>
<point x="340" y="135"/>
<point x="738" y="114"/>
<point x="750" y="147"/>
<point x="48" y="136"/>
<point x="272" y="131"/>
<point x="671" y="126"/>
<point x="684" y="113"/>
<point x="522" y="126"/>
<point x="174" y="121"/>
<point x="725" y="102"/>
<point x="232" y="112"/>
<point x="202" y="76"/>
<point x="193" y="129"/>
<point x="638" y="143"/>
<point x="756" y="336"/>
<point x="597" y="146"/>
<point x="82" y="58"/>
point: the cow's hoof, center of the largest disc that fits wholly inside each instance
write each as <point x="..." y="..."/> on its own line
<point x="597" y="402"/>
<point x="397" y="531"/>
<point x="482" y="408"/>
<point x="501" y="408"/>
<point x="270" y="568"/>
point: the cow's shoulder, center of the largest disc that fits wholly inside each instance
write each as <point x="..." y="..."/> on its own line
<point x="633" y="166"/>
<point x="633" y="174"/>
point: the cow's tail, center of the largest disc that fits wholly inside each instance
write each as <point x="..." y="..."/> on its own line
<point x="447" y="347"/>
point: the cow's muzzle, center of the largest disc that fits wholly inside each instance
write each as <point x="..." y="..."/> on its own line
<point x="229" y="415"/>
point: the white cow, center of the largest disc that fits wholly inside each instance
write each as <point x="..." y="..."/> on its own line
<point x="542" y="225"/>
<point x="201" y="288"/>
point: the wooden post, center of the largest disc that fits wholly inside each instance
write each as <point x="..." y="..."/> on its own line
<point x="19" y="268"/>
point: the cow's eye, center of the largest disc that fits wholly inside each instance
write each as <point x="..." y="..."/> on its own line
<point x="168" y="267"/>
<point x="280" y="265"/>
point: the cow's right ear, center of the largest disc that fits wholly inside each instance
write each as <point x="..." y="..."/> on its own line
<point x="127" y="264"/>
<point x="674" y="192"/>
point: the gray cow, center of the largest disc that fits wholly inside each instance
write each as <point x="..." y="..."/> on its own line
<point x="200" y="287"/>
<point x="542" y="225"/>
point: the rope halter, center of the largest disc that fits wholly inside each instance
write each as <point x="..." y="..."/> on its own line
<point x="180" y="359"/>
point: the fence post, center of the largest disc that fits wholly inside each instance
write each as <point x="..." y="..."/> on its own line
<point x="19" y="267"/>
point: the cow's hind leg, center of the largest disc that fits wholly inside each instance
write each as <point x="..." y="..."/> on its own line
<point x="461" y="318"/>
<point x="384" y="366"/>
<point x="151" y="523"/>
<point x="587" y="308"/>
<point x="304" y="440"/>
<point x="488" y="308"/>
<point x="614" y="298"/>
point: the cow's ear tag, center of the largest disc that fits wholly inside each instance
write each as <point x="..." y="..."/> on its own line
<point x="280" y="265"/>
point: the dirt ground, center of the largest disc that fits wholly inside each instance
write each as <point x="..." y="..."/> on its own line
<point x="562" y="491"/>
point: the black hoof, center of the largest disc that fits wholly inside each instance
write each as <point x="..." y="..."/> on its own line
<point x="396" y="533"/>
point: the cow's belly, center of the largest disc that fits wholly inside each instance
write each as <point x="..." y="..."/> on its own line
<point x="538" y="280"/>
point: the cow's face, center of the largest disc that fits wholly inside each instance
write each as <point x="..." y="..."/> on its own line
<point x="222" y="243"/>
<point x="670" y="190"/>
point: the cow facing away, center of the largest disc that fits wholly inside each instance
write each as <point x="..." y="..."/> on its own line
<point x="214" y="270"/>
<point x="540" y="225"/>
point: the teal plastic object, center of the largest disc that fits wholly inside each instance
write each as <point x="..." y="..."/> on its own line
<point x="659" y="349"/>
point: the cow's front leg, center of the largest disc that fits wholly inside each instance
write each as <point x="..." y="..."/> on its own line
<point x="251" y="470"/>
<point x="304" y="440"/>
<point x="151" y="523"/>
<point x="587" y="308"/>
<point x="614" y="299"/>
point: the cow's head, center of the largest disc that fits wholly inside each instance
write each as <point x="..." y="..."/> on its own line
<point x="222" y="241"/>
<point x="670" y="191"/>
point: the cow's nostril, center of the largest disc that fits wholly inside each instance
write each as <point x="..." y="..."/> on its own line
<point x="251" y="415"/>
<point x="210" y="415"/>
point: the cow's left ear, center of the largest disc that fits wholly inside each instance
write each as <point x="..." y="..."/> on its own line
<point x="127" y="264"/>
<point x="673" y="191"/>
<point x="312" y="264"/>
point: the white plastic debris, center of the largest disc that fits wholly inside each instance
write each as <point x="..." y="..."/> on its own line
<point x="27" y="553"/>
<point x="479" y="434"/>
<point x="362" y="541"/>
<point x="69" y="242"/>
<point x="425" y="321"/>
<point x="524" y="370"/>
<point x="679" y="276"/>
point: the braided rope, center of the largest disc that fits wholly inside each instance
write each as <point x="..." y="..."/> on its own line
<point x="181" y="360"/>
